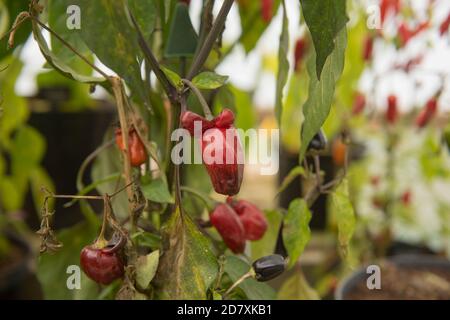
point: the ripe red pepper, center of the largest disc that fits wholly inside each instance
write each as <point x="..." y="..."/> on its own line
<point x="392" y="112"/>
<point x="368" y="48"/>
<point x="359" y="104"/>
<point x="266" y="10"/>
<point x="427" y="113"/>
<point x="221" y="150"/>
<point x="103" y="265"/>
<point x="443" y="28"/>
<point x="137" y="152"/>
<point x="229" y="226"/>
<point x="253" y="220"/>
<point x="299" y="53"/>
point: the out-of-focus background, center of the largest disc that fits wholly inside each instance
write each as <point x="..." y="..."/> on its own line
<point x="398" y="163"/>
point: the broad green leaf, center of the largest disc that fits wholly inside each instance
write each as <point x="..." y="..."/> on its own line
<point x="297" y="288"/>
<point x="145" y="13"/>
<point x="325" y="20"/>
<point x="147" y="239"/>
<point x="157" y="191"/>
<point x="254" y="290"/>
<point x="27" y="150"/>
<point x="146" y="267"/>
<point x="173" y="77"/>
<point x="296" y="232"/>
<point x="15" y="111"/>
<point x="266" y="245"/>
<point x="182" y="41"/>
<point x="209" y="80"/>
<point x="283" y="65"/>
<point x="52" y="268"/>
<point x="57" y="63"/>
<point x="343" y="213"/>
<point x="10" y="195"/>
<point x="321" y="92"/>
<point x="187" y="266"/>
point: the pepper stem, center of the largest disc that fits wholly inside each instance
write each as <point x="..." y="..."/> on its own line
<point x="201" y="99"/>
<point x="249" y="274"/>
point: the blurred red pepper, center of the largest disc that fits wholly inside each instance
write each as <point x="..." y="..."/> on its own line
<point x="406" y="34"/>
<point x="427" y="113"/>
<point x="368" y="48"/>
<point x="267" y="10"/>
<point x="221" y="150"/>
<point x="137" y="152"/>
<point x="443" y="28"/>
<point x="300" y="50"/>
<point x="359" y="104"/>
<point x="392" y="112"/>
<point x="227" y="223"/>
<point x="388" y="5"/>
<point x="253" y="219"/>
<point x="406" y="198"/>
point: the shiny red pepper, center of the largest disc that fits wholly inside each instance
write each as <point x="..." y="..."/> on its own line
<point x="137" y="152"/>
<point x="229" y="226"/>
<point x="221" y="150"/>
<point x="427" y="113"/>
<point x="253" y="219"/>
<point x="103" y="265"/>
<point x="266" y="10"/>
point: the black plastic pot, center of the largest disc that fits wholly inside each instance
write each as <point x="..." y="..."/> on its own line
<point x="410" y="261"/>
<point x="13" y="273"/>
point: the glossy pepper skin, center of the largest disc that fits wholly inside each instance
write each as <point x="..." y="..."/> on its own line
<point x="137" y="152"/>
<point x="227" y="223"/>
<point x="221" y="150"/>
<point x="269" y="267"/>
<point x="102" y="265"/>
<point x="318" y="142"/>
<point x="253" y="219"/>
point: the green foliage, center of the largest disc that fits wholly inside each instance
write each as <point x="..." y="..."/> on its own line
<point x="187" y="266"/>
<point x="321" y="92"/>
<point x="146" y="267"/>
<point x="297" y="288"/>
<point x="296" y="232"/>
<point x="266" y="245"/>
<point x="209" y="80"/>
<point x="157" y="190"/>
<point x="283" y="64"/>
<point x="325" y="20"/>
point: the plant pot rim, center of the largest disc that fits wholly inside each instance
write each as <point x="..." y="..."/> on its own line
<point x="412" y="260"/>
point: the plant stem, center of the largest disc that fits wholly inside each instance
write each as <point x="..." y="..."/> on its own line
<point x="208" y="201"/>
<point x="201" y="99"/>
<point x="238" y="282"/>
<point x="210" y="39"/>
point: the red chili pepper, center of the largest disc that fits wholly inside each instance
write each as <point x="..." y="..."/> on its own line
<point x="253" y="220"/>
<point x="300" y="50"/>
<point x="266" y="10"/>
<point x="221" y="150"/>
<point x="137" y="152"/>
<point x="368" y="48"/>
<point x="229" y="226"/>
<point x="427" y="113"/>
<point x="443" y="28"/>
<point x="101" y="264"/>
<point x="359" y="104"/>
<point x="392" y="112"/>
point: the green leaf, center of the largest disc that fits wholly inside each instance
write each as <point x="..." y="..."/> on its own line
<point x="10" y="194"/>
<point x="147" y="239"/>
<point x="297" y="288"/>
<point x="146" y="267"/>
<point x="283" y="65"/>
<point x="57" y="63"/>
<point x="209" y="80"/>
<point x="157" y="191"/>
<point x="294" y="173"/>
<point x="325" y="20"/>
<point x="173" y="77"/>
<point x="27" y="150"/>
<point x="52" y="268"/>
<point x="266" y="245"/>
<point x="254" y="290"/>
<point x="145" y="13"/>
<point x="344" y="214"/>
<point x="187" y="267"/>
<point x="321" y="92"/>
<point x="296" y="232"/>
<point x="182" y="41"/>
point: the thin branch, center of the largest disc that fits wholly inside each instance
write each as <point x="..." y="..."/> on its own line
<point x="210" y="39"/>
<point x="201" y="99"/>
